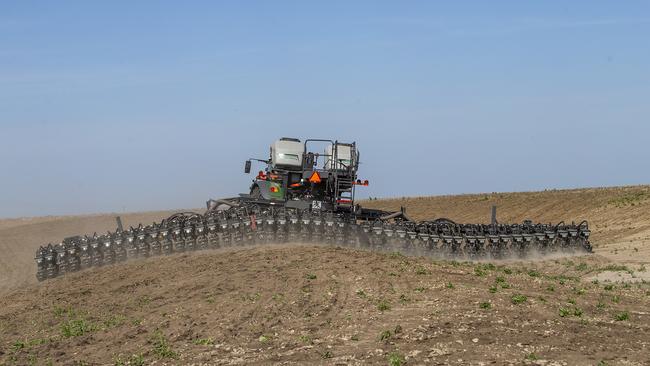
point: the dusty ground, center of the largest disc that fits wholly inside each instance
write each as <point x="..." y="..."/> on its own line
<point x="19" y="239"/>
<point x="308" y="304"/>
<point x="619" y="217"/>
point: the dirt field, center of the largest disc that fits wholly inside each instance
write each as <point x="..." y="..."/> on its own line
<point x="619" y="217"/>
<point x="327" y="305"/>
<point x="19" y="239"/>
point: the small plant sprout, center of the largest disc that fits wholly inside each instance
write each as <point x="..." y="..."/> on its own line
<point x="395" y="359"/>
<point x="264" y="338"/>
<point x="532" y="357"/>
<point x="564" y="312"/>
<point x="204" y="341"/>
<point x="385" y="335"/>
<point x="421" y="270"/>
<point x="577" y="312"/>
<point x="579" y="291"/>
<point x="622" y="316"/>
<point x="518" y="299"/>
<point x="161" y="346"/>
<point x="478" y="271"/>
<point x="305" y="339"/>
<point x="383" y="305"/>
<point x="533" y="273"/>
<point x="550" y="288"/>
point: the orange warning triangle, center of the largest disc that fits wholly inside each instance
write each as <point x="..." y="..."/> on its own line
<point x="315" y="177"/>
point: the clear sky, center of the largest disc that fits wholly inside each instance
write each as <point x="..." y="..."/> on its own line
<point x="139" y="105"/>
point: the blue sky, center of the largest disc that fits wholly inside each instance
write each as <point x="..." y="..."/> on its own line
<point x="114" y="106"/>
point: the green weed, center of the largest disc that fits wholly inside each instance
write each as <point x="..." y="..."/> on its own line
<point x="579" y="291"/>
<point x="385" y="335"/>
<point x="395" y="359"/>
<point x="622" y="316"/>
<point x="518" y="299"/>
<point x="582" y="267"/>
<point x="204" y="341"/>
<point x="532" y="357"/>
<point x="18" y="345"/>
<point x="76" y="328"/>
<point x="134" y="360"/>
<point x="577" y="312"/>
<point x="533" y="273"/>
<point x="550" y="288"/>
<point x="114" y="321"/>
<point x="383" y="305"/>
<point x="161" y="347"/>
<point x="264" y="338"/>
<point x="564" y="312"/>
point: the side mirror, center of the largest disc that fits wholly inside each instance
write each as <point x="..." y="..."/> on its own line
<point x="247" y="167"/>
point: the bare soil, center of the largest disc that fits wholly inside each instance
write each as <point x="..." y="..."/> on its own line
<point x="21" y="237"/>
<point x="307" y="304"/>
<point x="619" y="217"/>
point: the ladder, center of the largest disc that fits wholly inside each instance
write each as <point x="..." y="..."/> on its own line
<point x="344" y="179"/>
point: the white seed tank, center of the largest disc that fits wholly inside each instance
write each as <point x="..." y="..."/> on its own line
<point x="287" y="153"/>
<point x="344" y="157"/>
